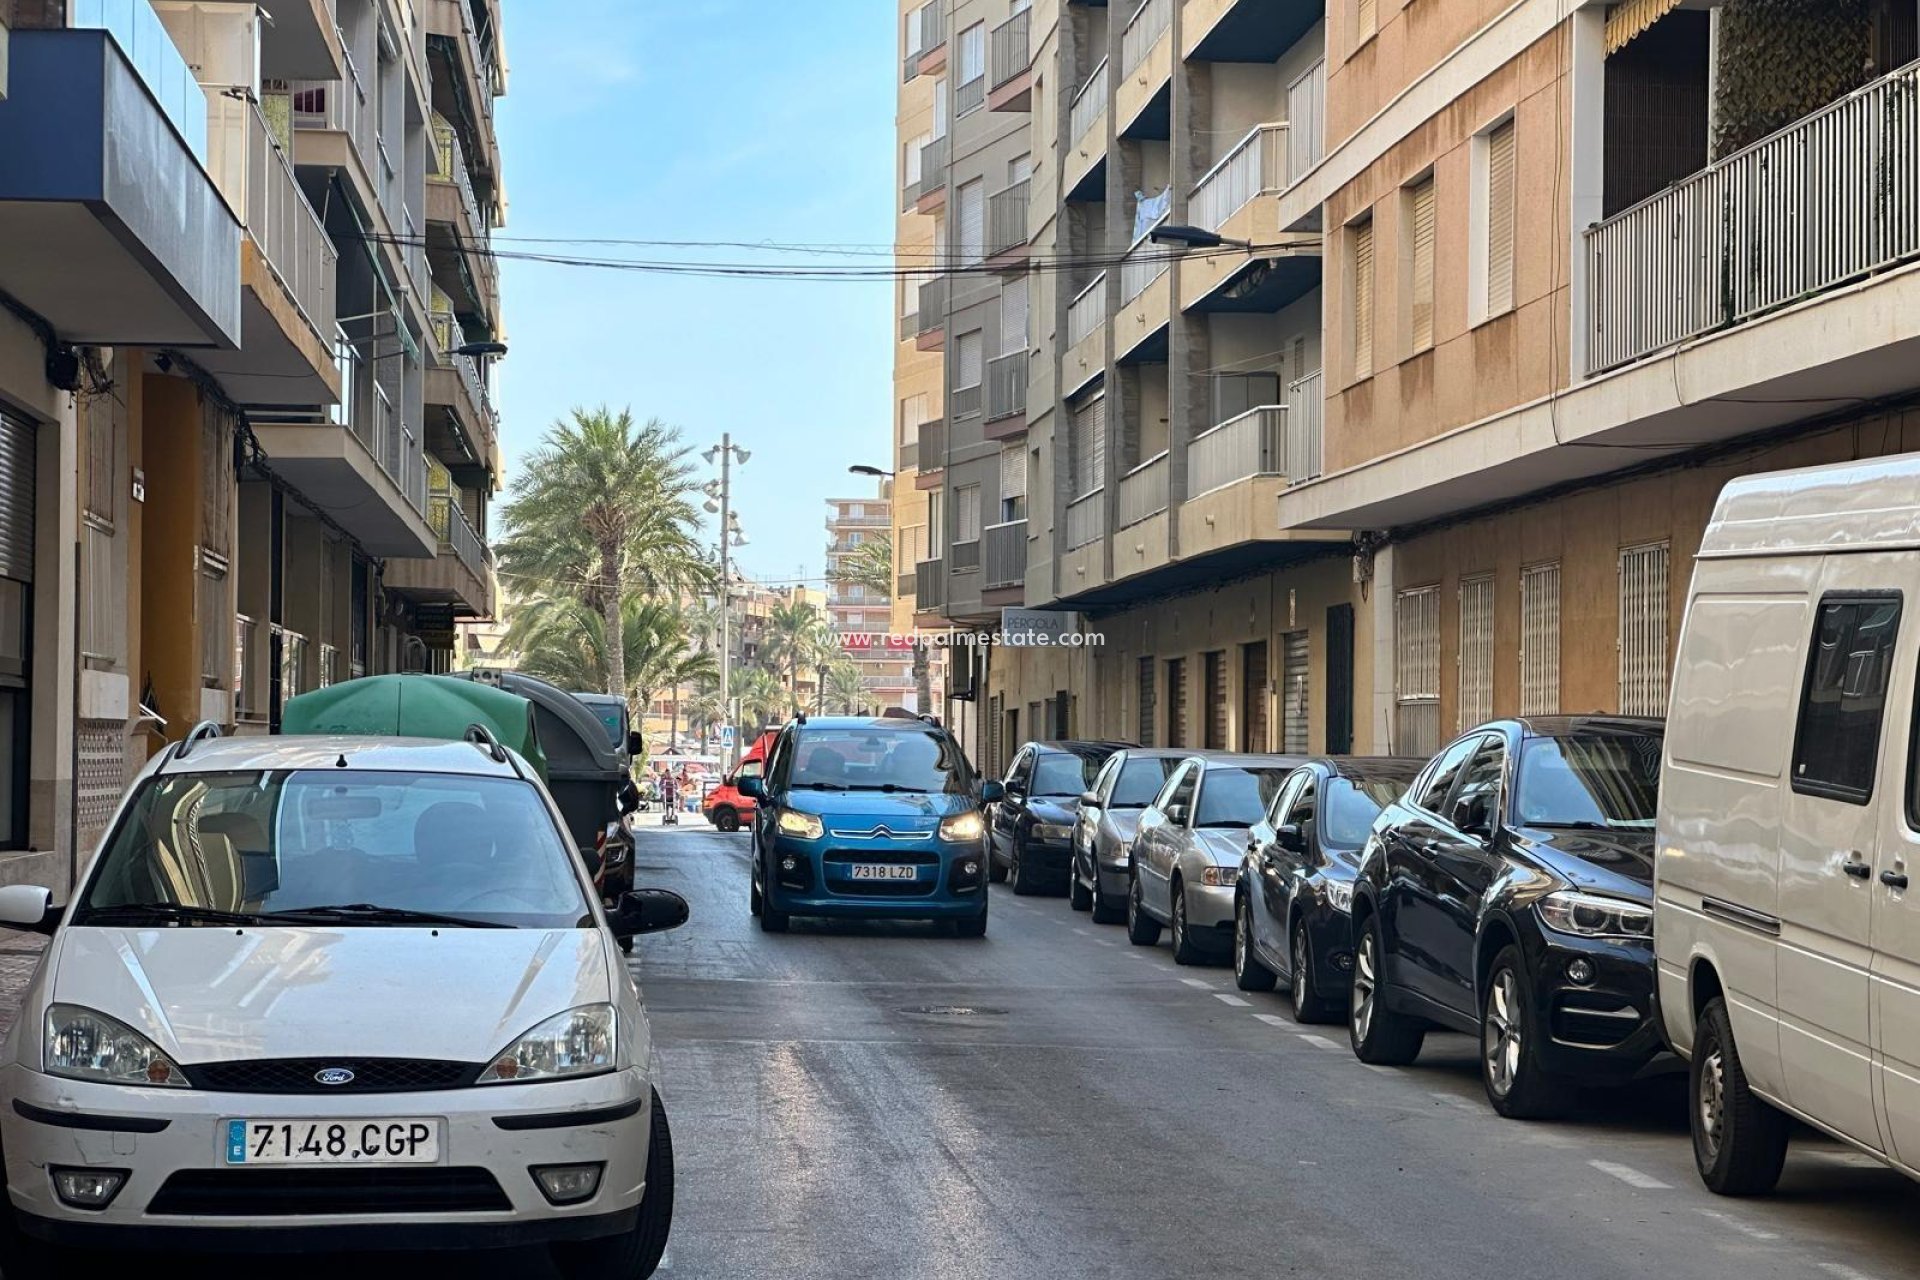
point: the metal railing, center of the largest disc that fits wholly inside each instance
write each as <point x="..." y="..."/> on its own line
<point x="933" y="167"/>
<point x="1143" y="490"/>
<point x="1307" y="121"/>
<point x="1255" y="166"/>
<point x="1007" y="386"/>
<point x="970" y="95"/>
<point x="930" y="584"/>
<point x="1089" y="103"/>
<point x="1004" y="554"/>
<point x="1145" y="262"/>
<point x="1010" y="48"/>
<point x="964" y="557"/>
<point x="1828" y="199"/>
<point x="1007" y="218"/>
<point x="413" y="468"/>
<point x="257" y="179"/>
<point x="416" y="252"/>
<point x="933" y="26"/>
<point x="447" y="331"/>
<point x="963" y="401"/>
<point x="1086" y="518"/>
<point x="1087" y="310"/>
<point x="453" y="168"/>
<point x="1144" y="29"/>
<point x="103" y="625"/>
<point x="933" y="305"/>
<point x="457" y="537"/>
<point x="933" y="445"/>
<point x="1252" y="444"/>
<point x="246" y="683"/>
<point x="1306" y="410"/>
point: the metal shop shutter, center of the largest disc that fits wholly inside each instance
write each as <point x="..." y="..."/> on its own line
<point x="17" y="470"/>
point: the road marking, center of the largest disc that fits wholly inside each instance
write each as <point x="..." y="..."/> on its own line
<point x="1135" y="955"/>
<point x="1379" y="1070"/>
<point x="1841" y="1271"/>
<point x="1082" y="933"/>
<point x="1319" y="1042"/>
<point x="1629" y="1175"/>
<point x="1744" y="1228"/>
<point x="1235" y="1001"/>
<point x="1197" y="984"/>
<point x="1273" y="1019"/>
<point x="1103" y="942"/>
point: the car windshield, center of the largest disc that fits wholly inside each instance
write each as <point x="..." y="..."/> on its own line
<point x="1140" y="781"/>
<point x="1589" y="781"/>
<point x="254" y="845"/>
<point x="879" y="760"/>
<point x="1351" y="806"/>
<point x="1237" y="797"/>
<point x="612" y="717"/>
<point x="1063" y="774"/>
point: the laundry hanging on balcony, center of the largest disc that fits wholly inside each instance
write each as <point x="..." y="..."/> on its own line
<point x="1148" y="211"/>
<point x="1632" y="18"/>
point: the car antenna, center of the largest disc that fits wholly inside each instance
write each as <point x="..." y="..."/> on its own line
<point x="800" y="717"/>
<point x="199" y="733"/>
<point x="482" y="737"/>
<point x="341" y="763"/>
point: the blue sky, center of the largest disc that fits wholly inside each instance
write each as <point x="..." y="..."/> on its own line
<point x="743" y="120"/>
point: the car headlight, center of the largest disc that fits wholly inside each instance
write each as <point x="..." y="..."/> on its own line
<point x="1340" y="896"/>
<point x="84" y="1045"/>
<point x="807" y="826"/>
<point x="578" y="1042"/>
<point x="1220" y="877"/>
<point x="1050" y="831"/>
<point x="1592" y="915"/>
<point x="962" y="827"/>
<point x="1122" y="853"/>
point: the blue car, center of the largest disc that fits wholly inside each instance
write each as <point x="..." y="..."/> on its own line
<point x="869" y="819"/>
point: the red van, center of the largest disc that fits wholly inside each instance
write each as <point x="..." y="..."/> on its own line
<point x="724" y="806"/>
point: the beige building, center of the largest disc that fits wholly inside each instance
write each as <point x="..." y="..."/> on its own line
<point x="1458" y="315"/>
<point x="862" y="619"/>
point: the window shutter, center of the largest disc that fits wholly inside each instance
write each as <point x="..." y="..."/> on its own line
<point x="973" y="53"/>
<point x="1013" y="471"/>
<point x="1423" y="266"/>
<point x="967" y="358"/>
<point x="1366" y="19"/>
<point x="940" y="108"/>
<point x="966" y="501"/>
<point x="1089" y="447"/>
<point x="1500" y="216"/>
<point x="1363" y="299"/>
<point x="1643" y="630"/>
<point x="1417" y="671"/>
<point x="973" y="222"/>
<point x="1540" y="640"/>
<point x="1294" y="677"/>
<point x="1144" y="713"/>
<point x="1476" y="652"/>
<point x="1013" y="316"/>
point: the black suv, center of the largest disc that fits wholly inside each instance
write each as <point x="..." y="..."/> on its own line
<point x="1509" y="895"/>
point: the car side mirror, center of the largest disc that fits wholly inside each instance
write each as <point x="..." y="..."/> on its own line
<point x="1089" y="797"/>
<point x="1290" y="837"/>
<point x="1177" y="814"/>
<point x="753" y="788"/>
<point x="1471" y="816"/>
<point x="636" y="744"/>
<point x="28" y="907"/>
<point x="992" y="792"/>
<point x="649" y="911"/>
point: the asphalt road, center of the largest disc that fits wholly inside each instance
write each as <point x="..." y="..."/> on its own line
<point x="885" y="1101"/>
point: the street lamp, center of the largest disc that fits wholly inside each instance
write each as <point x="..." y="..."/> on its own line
<point x="862" y="469"/>
<point x="1194" y="238"/>
<point x="720" y="501"/>
<point x="481" y="349"/>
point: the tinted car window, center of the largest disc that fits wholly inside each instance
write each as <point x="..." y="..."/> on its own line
<point x="1607" y="780"/>
<point x="1440" y="781"/>
<point x="1237" y="797"/>
<point x="1838" y="738"/>
<point x="878" y="760"/>
<point x="1481" y="777"/>
<point x="1140" y="781"/>
<point x="1351" y="806"/>
<point x="1063" y="774"/>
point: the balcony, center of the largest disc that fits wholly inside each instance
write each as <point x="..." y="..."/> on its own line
<point x="466" y="78"/>
<point x="109" y="226"/>
<point x="970" y="95"/>
<point x="1146" y="304"/>
<point x="1004" y="555"/>
<point x="458" y="232"/>
<point x="931" y="191"/>
<point x="1255" y="443"/>
<point x="1086" y="357"/>
<point x="1255" y="166"/>
<point x="1007" y="386"/>
<point x="930" y="586"/>
<point x="1246" y="30"/>
<point x="335" y="133"/>
<point x="464" y="432"/>
<point x="1086" y="518"/>
<point x="932" y="51"/>
<point x="965" y="402"/>
<point x="1143" y="491"/>
<point x="1010" y="64"/>
<point x="1232" y="200"/>
<point x="1007" y="225"/>
<point x="931" y="333"/>
<point x="1087" y="136"/>
<point x="964" y="556"/>
<point x="461" y="572"/>
<point x="1826" y="201"/>
<point x="932" y="454"/>
<point x="1143" y="105"/>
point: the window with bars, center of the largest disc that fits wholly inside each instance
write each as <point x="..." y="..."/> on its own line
<point x="1213" y="683"/>
<point x="1176" y="702"/>
<point x="1501" y="199"/>
<point x="1013" y="482"/>
<point x="1360" y="280"/>
<point x="1420" y="233"/>
<point x="1540" y="640"/>
<point x="1294" y="676"/>
<point x="1254" y="674"/>
<point x="1416" y="617"/>
<point x="1087" y="444"/>
<point x="1476" y="652"/>
<point x="973" y="221"/>
<point x="1144" y="715"/>
<point x="1643" y="630"/>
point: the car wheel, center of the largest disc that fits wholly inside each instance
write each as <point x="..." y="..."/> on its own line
<point x="1739" y="1142"/>
<point x="634" y="1255"/>
<point x="1185" y="949"/>
<point x="1249" y="974"/>
<point x="1104" y="912"/>
<point x="1142" y="929"/>
<point x="1380" y="1036"/>
<point x="1079" y="897"/>
<point x="973" y="926"/>
<point x="1308" y="1006"/>
<point x="725" y="819"/>
<point x="1517" y="1086"/>
<point x="772" y="920"/>
<point x="1025" y="883"/>
<point x="756" y="898"/>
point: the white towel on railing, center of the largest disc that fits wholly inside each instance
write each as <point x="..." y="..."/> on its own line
<point x="1148" y="210"/>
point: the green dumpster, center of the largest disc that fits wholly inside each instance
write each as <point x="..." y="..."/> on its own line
<point x="416" y="706"/>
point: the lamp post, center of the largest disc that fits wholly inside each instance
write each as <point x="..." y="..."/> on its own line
<point x="720" y="500"/>
<point x="862" y="469"/>
<point x="1187" y="237"/>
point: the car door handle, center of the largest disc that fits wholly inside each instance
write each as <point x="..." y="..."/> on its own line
<point x="1894" y="879"/>
<point x="1858" y="870"/>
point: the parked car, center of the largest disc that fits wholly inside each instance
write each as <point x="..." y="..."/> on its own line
<point x="873" y="818"/>
<point x="1292" y="914"/>
<point x="724" y="804"/>
<point x="1789" y="826"/>
<point x="1509" y="895"/>
<point x="367" y="972"/>
<point x="1104" y="826"/>
<point x="1031" y="826"/>
<point x="1188" y="846"/>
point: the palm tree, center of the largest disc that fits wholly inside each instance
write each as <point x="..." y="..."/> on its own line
<point x="843" y="686"/>
<point x="760" y="696"/>
<point x="794" y="639"/>
<point x="601" y="507"/>
<point x="560" y="639"/>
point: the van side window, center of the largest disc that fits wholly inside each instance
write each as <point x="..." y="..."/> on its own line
<point x="1837" y="740"/>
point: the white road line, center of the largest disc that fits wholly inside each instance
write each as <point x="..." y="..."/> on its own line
<point x="1379" y="1070"/>
<point x="1841" y="1271"/>
<point x="1103" y="942"/>
<point x="1197" y="984"/>
<point x="1082" y="933"/>
<point x="1273" y="1019"/>
<point x="1320" y="1042"/>
<point x="1744" y="1228"/>
<point x="1629" y="1175"/>
<point x="1135" y="955"/>
<point x="1235" y="1001"/>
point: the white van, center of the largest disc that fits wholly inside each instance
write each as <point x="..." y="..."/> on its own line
<point x="1788" y="942"/>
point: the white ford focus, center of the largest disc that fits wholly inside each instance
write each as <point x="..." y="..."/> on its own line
<point x="336" y="993"/>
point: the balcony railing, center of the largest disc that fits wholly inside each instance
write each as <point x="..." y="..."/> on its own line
<point x="933" y="167"/>
<point x="1004" y="554"/>
<point x="1007" y="386"/>
<point x="964" y="556"/>
<point x="1828" y="199"/>
<point x="1144" y="29"/>
<point x="1306" y="411"/>
<point x="246" y="685"/>
<point x="930" y="584"/>
<point x="1086" y="518"/>
<point x="1007" y="218"/>
<point x="1087" y="310"/>
<point x="933" y="26"/>
<point x="970" y="95"/>
<point x="965" y="401"/>
<point x="933" y="305"/>
<point x="257" y="179"/>
<point x="1255" y="166"/>
<point x="1010" y="50"/>
<point x="457" y="537"/>
<point x="392" y="442"/>
<point x="1307" y="122"/>
<point x="447" y="331"/>
<point x="1145" y="262"/>
<point x="1143" y="490"/>
<point x="1252" y="444"/>
<point x="1089" y="103"/>
<point x="933" y="445"/>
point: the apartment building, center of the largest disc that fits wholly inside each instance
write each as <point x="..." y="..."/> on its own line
<point x="1457" y="316"/>
<point x="861" y="617"/>
<point x="221" y="436"/>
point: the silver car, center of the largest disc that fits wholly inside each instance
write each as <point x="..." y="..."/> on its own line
<point x="1104" y="828"/>
<point x="1188" y="848"/>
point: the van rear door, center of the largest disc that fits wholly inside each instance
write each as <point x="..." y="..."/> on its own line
<point x="1895" y="980"/>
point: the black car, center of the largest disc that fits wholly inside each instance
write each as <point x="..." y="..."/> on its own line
<point x="1032" y="827"/>
<point x="1295" y="892"/>
<point x="1509" y="895"/>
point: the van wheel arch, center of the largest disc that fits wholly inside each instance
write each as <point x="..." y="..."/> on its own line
<point x="1703" y="987"/>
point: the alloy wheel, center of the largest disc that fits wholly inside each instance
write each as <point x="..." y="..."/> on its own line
<point x="1298" y="987"/>
<point x="1712" y="1102"/>
<point x="1364" y="966"/>
<point x="1179" y="921"/>
<point x="1240" y="937"/>
<point x="1500" y="1037"/>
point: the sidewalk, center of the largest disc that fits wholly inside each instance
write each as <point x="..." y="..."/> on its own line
<point x="19" y="953"/>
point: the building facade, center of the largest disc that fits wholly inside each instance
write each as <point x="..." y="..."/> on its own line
<point x="1386" y="358"/>
<point x="862" y="618"/>
<point x="246" y="439"/>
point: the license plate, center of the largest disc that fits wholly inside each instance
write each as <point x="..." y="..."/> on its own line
<point x="408" y="1141"/>
<point x="881" y="871"/>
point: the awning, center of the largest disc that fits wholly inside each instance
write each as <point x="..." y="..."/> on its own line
<point x="1631" y="17"/>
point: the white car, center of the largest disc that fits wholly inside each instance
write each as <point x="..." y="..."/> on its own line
<point x="336" y="993"/>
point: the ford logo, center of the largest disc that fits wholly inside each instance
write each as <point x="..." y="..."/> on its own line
<point x="334" y="1076"/>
